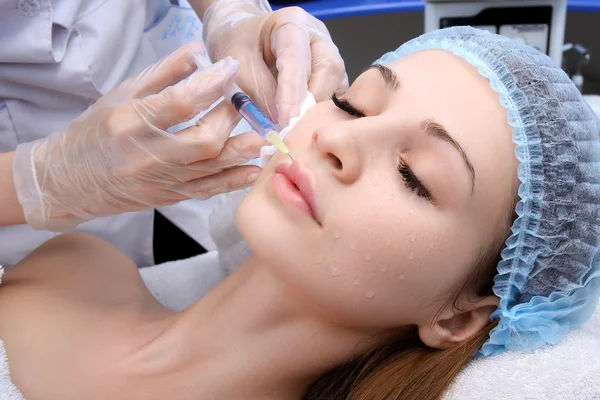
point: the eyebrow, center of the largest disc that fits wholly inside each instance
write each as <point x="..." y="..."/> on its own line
<point x="390" y="78"/>
<point x="434" y="129"/>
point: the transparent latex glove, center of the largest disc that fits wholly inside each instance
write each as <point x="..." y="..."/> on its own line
<point x="282" y="54"/>
<point x="117" y="156"/>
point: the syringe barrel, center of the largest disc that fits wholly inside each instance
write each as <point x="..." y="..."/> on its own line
<point x="251" y="113"/>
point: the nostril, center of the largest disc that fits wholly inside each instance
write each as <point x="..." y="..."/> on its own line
<point x="334" y="161"/>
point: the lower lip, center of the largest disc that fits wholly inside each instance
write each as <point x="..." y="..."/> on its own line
<point x="288" y="193"/>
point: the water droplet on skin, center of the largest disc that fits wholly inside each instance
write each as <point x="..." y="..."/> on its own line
<point x="411" y="255"/>
<point x="401" y="276"/>
<point x="383" y="268"/>
<point x="318" y="259"/>
<point x="412" y="237"/>
<point x="411" y="212"/>
<point x="352" y="246"/>
<point x="370" y="294"/>
<point x="370" y="231"/>
<point x="336" y="234"/>
<point x="388" y="242"/>
<point x="335" y="272"/>
<point x="367" y="257"/>
<point x="357" y="282"/>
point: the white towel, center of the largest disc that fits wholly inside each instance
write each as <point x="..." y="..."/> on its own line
<point x="569" y="370"/>
<point x="8" y="390"/>
<point x="232" y="248"/>
<point x="179" y="284"/>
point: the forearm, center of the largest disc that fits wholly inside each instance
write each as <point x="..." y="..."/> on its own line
<point x="11" y="212"/>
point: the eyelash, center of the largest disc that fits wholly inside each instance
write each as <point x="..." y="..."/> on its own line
<point x="412" y="182"/>
<point x="410" y="179"/>
<point x="347" y="107"/>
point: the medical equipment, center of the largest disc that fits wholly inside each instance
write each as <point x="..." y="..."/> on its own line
<point x="255" y="117"/>
<point x="538" y="23"/>
<point x="583" y="60"/>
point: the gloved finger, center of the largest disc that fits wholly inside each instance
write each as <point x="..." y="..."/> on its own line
<point x="222" y="182"/>
<point x="291" y="48"/>
<point x="237" y="150"/>
<point x="328" y="72"/>
<point x="343" y="86"/>
<point x="258" y="82"/>
<point x="205" y="139"/>
<point x="188" y="98"/>
<point x="168" y="71"/>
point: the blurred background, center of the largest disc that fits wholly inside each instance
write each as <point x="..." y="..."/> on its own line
<point x="365" y="29"/>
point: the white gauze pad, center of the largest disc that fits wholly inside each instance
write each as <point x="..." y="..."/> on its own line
<point x="266" y="152"/>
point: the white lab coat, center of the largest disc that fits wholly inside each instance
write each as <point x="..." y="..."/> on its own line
<point x="56" y="58"/>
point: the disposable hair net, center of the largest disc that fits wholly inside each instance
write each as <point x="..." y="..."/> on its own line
<point x="549" y="276"/>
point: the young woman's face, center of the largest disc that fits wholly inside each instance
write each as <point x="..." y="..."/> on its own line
<point x="393" y="194"/>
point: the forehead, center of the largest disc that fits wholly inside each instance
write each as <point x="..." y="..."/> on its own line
<point x="436" y="81"/>
<point x="439" y="85"/>
<point x="435" y="84"/>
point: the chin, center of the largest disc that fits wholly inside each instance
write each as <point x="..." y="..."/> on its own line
<point x="256" y="223"/>
<point x="277" y="241"/>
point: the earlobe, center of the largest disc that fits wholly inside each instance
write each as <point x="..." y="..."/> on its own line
<point x="454" y="326"/>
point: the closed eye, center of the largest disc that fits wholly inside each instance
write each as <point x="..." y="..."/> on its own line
<point x="345" y="106"/>
<point x="412" y="182"/>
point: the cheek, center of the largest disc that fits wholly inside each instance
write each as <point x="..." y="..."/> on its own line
<point x="371" y="258"/>
<point x="382" y="261"/>
<point x="393" y="264"/>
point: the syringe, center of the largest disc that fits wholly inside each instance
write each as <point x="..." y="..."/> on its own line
<point x="255" y="117"/>
<point x="250" y="112"/>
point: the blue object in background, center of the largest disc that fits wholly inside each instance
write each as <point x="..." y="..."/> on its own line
<point x="327" y="9"/>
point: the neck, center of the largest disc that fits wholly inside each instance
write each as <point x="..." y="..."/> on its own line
<point x="253" y="338"/>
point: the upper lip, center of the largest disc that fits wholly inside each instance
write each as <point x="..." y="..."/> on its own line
<point x="303" y="182"/>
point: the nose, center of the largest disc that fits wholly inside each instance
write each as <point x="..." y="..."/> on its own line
<point x="338" y="145"/>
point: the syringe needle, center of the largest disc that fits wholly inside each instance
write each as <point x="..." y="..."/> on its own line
<point x="290" y="156"/>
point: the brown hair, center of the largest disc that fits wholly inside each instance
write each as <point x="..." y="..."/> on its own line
<point x="407" y="369"/>
<point x="403" y="370"/>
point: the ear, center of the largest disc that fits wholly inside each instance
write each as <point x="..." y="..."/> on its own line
<point x="453" y="326"/>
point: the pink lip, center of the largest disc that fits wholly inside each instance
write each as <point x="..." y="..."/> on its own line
<point x="294" y="187"/>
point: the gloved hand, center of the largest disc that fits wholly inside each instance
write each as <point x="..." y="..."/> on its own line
<point x="288" y="44"/>
<point x="117" y="157"/>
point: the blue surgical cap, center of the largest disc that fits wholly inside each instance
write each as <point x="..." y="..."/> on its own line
<point x="548" y="278"/>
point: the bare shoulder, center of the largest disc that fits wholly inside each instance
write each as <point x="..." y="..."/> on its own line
<point x="75" y="264"/>
<point x="74" y="248"/>
<point x="84" y="297"/>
